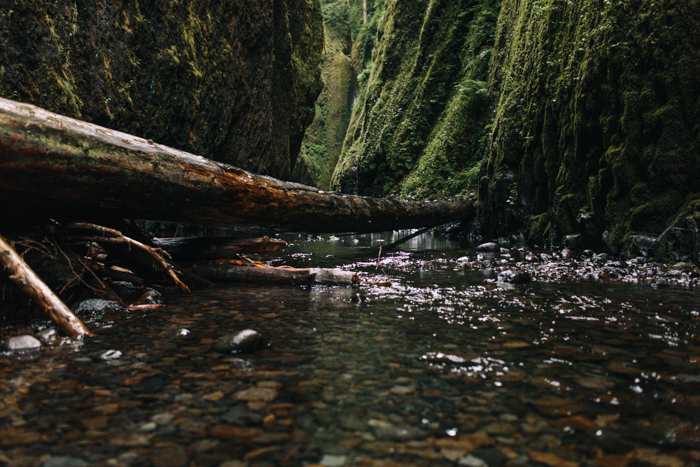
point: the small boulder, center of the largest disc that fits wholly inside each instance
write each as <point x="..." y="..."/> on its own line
<point x="25" y="342"/>
<point x="489" y="247"/>
<point x="95" y="307"/>
<point x="514" y="277"/>
<point x="245" y="341"/>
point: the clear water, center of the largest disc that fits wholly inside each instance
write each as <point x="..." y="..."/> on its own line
<point x="426" y="363"/>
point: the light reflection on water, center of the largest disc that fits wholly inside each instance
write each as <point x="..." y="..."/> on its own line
<point x="579" y="370"/>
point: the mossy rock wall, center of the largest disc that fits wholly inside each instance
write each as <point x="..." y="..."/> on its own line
<point x="231" y="81"/>
<point x="345" y="37"/>
<point x="596" y="126"/>
<point x="419" y="122"/>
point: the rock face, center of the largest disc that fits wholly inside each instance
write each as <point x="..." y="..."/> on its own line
<point x="595" y="134"/>
<point x="231" y="81"/>
<point x="418" y="125"/>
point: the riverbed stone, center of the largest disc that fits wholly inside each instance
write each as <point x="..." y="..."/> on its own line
<point x="170" y="456"/>
<point x="95" y="306"/>
<point x="241" y="415"/>
<point x="24" y="342"/>
<point x="472" y="461"/>
<point x="47" y="335"/>
<point x="64" y="461"/>
<point x="489" y="247"/>
<point x="331" y="460"/>
<point x="257" y="394"/>
<point x="245" y="341"/>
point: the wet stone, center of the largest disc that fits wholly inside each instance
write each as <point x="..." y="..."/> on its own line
<point x="514" y="277"/>
<point x="330" y="460"/>
<point x="48" y="335"/>
<point x="111" y="355"/>
<point x="64" y="461"/>
<point x="24" y="342"/>
<point x="472" y="461"/>
<point x="95" y="307"/>
<point x="241" y="415"/>
<point x="257" y="394"/>
<point x="245" y="341"/>
<point x="395" y="433"/>
<point x="170" y="456"/>
<point x="489" y="247"/>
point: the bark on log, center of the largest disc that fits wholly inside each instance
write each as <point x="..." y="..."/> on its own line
<point x="55" y="166"/>
<point x="30" y="284"/>
<point x="221" y="271"/>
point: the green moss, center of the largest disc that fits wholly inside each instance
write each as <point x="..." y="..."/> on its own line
<point x="199" y="76"/>
<point x="419" y="124"/>
<point x="595" y="100"/>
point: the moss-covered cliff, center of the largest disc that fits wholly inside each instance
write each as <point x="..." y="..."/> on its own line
<point x="596" y="133"/>
<point x="232" y="81"/>
<point x="419" y="123"/>
<point x="348" y="40"/>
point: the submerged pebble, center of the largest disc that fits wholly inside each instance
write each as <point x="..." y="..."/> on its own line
<point x="64" y="461"/>
<point x="245" y="341"/>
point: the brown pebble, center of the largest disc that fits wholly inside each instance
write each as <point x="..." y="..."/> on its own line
<point x="18" y="436"/>
<point x="234" y="432"/>
<point x="170" y="456"/>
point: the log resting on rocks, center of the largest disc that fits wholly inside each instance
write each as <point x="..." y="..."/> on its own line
<point x="59" y="167"/>
<point x="223" y="271"/>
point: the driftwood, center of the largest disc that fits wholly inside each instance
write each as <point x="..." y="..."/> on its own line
<point x="225" y="271"/>
<point x="110" y="236"/>
<point x="22" y="275"/>
<point x="56" y="167"/>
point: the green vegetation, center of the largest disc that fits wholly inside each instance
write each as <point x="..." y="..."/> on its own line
<point x="419" y="125"/>
<point x="596" y="121"/>
<point x="348" y="41"/>
<point x="230" y="83"/>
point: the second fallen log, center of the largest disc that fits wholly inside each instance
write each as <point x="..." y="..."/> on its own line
<point x="62" y="168"/>
<point x="224" y="271"/>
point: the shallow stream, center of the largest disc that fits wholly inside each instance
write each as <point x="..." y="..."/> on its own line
<point x="430" y="362"/>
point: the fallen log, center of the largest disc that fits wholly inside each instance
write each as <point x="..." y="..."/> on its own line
<point x="61" y="168"/>
<point x="25" y="278"/>
<point x="224" y="271"/>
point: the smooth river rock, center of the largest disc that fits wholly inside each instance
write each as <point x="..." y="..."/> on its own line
<point x="24" y="342"/>
<point x="245" y="341"/>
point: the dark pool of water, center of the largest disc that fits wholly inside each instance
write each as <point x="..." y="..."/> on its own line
<point x="428" y="362"/>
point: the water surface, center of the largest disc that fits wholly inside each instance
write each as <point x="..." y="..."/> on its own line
<point x="431" y="361"/>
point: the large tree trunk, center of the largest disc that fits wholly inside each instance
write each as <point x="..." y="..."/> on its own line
<point x="62" y="168"/>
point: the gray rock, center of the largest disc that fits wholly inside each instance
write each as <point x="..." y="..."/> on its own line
<point x="111" y="355"/>
<point x="24" y="342"/>
<point x="48" y="335"/>
<point x="64" y="461"/>
<point x="185" y="335"/>
<point x="489" y="247"/>
<point x="472" y="461"/>
<point x="514" y="277"/>
<point x="95" y="306"/>
<point x="330" y="460"/>
<point x="244" y="341"/>
<point x="399" y="433"/>
<point x="242" y="416"/>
